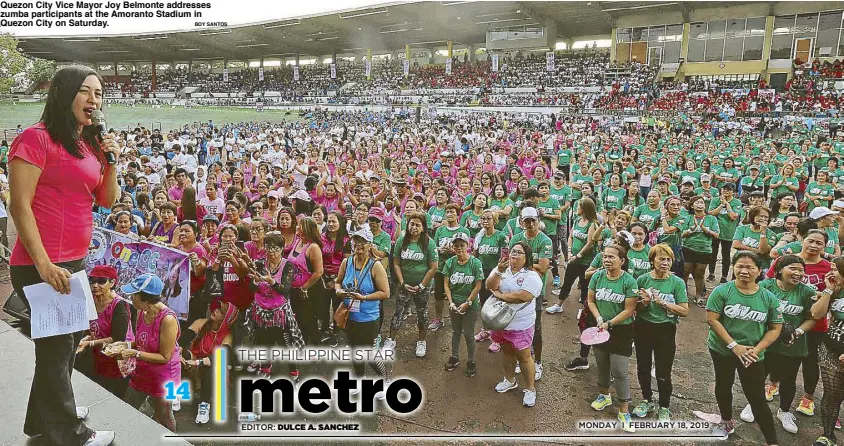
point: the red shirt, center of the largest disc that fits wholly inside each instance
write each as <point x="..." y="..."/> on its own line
<point x="63" y="196"/>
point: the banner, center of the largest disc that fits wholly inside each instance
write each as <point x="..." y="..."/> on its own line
<point x="261" y="74"/>
<point x="495" y="63"/>
<point x="406" y="67"/>
<point x="549" y="61"/>
<point x="132" y="258"/>
<point x="367" y="68"/>
<point x="448" y="66"/>
<point x="767" y="94"/>
<point x="295" y="72"/>
<point x="225" y="74"/>
<point x="333" y="71"/>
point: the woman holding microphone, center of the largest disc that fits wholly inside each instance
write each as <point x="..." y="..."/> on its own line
<point x="59" y="160"/>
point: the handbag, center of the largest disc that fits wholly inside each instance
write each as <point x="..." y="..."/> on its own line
<point x="497" y="314"/>
<point x="341" y="315"/>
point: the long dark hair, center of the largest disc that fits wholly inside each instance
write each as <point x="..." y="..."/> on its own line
<point x="58" y="115"/>
<point x="189" y="203"/>
<point x="423" y="236"/>
<point x="340" y="237"/>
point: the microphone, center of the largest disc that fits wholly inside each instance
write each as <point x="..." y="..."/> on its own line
<point x="99" y="120"/>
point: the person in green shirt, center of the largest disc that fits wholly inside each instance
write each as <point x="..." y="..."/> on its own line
<point x="471" y="219"/>
<point x="785" y="182"/>
<point x="414" y="266"/>
<point x="464" y="275"/>
<point x="612" y="197"/>
<point x="550" y="214"/>
<point x="650" y="212"/>
<point x="501" y="204"/>
<point x="744" y="320"/>
<point x="663" y="301"/>
<point x="706" y="190"/>
<point x="437" y="212"/>
<point x="784" y="356"/>
<point x="752" y="182"/>
<point x="727" y="209"/>
<point x="820" y="192"/>
<point x="442" y="238"/>
<point x="562" y="193"/>
<point x="612" y="298"/>
<point x="381" y="241"/>
<point x="489" y="246"/>
<point x="755" y="235"/>
<point x="698" y="233"/>
<point x="585" y="225"/>
<point x="671" y="223"/>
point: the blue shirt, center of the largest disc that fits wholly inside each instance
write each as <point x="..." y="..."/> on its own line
<point x="370" y="310"/>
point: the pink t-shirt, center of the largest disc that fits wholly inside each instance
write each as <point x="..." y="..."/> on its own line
<point x="63" y="196"/>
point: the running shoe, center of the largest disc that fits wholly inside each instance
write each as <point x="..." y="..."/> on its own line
<point x="81" y="412"/>
<point x="557" y="282"/>
<point x="421" y="349"/>
<point x="390" y="344"/>
<point x="435" y="324"/>
<point x="452" y="363"/>
<point x="529" y="399"/>
<point x="518" y="369"/>
<point x="471" y="369"/>
<point x="771" y="390"/>
<point x="494" y="347"/>
<point x="506" y="385"/>
<point x="644" y="408"/>
<point x="664" y="414"/>
<point x="602" y="402"/>
<point x="724" y="429"/>
<point x="253" y="367"/>
<point x="789" y="422"/>
<point x="577" y="364"/>
<point x="100" y="438"/>
<point x="553" y="309"/>
<point x="177" y="404"/>
<point x="482" y="335"/>
<point x="202" y="413"/>
<point x="626" y="422"/>
<point x="747" y="414"/>
<point x="838" y="424"/>
<point x="806" y="407"/>
<point x="823" y="441"/>
<point x="538" y="374"/>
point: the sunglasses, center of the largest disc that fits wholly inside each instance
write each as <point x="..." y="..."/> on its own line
<point x="98" y="280"/>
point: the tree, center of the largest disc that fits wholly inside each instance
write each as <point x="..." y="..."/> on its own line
<point x="41" y="71"/>
<point x="12" y="62"/>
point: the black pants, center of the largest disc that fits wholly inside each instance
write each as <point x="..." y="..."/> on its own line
<point x="555" y="265"/>
<point x="303" y="308"/>
<point x="51" y="411"/>
<point x="362" y="335"/>
<point x="725" y="247"/>
<point x="752" y="384"/>
<point x="322" y="307"/>
<point x="786" y="374"/>
<point x="655" y="342"/>
<point x="811" y="370"/>
<point x="574" y="271"/>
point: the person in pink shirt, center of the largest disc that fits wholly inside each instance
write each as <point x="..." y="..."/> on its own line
<point x="59" y="160"/>
<point x="175" y="193"/>
<point x="155" y="349"/>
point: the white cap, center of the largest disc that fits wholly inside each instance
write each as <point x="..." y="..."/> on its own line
<point x="821" y="212"/>
<point x="627" y="236"/>
<point x="301" y="195"/>
<point x="529" y="212"/>
<point x="838" y="204"/>
<point x="460" y="236"/>
<point x="364" y="233"/>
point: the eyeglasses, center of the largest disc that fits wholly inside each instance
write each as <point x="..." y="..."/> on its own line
<point x="273" y="248"/>
<point x="97" y="280"/>
<point x="256" y="230"/>
<point x="518" y="253"/>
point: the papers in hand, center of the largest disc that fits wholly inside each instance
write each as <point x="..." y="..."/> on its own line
<point x="54" y="313"/>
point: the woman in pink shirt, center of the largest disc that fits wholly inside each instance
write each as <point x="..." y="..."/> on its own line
<point x="155" y="349"/>
<point x="59" y="160"/>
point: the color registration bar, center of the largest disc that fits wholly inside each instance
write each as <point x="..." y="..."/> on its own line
<point x="220" y="379"/>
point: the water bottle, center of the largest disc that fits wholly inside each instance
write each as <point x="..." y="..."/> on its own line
<point x="248" y="417"/>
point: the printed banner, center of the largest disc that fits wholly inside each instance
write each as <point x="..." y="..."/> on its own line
<point x="333" y="71"/>
<point x="295" y="72"/>
<point x="225" y="74"/>
<point x="261" y="74"/>
<point x="549" y="61"/>
<point x="448" y="66"/>
<point x="132" y="258"/>
<point x="495" y="63"/>
<point x="767" y="94"/>
<point x="406" y="67"/>
<point x="367" y="68"/>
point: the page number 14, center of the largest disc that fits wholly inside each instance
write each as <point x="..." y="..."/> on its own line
<point x="182" y="392"/>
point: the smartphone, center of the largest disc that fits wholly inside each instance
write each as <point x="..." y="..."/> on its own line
<point x="239" y="245"/>
<point x="260" y="268"/>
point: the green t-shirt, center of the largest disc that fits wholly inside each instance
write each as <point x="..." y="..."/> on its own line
<point x="442" y="238"/>
<point x="437" y="215"/>
<point x="413" y="260"/>
<point x="579" y="239"/>
<point x="472" y="222"/>
<point x="826" y="193"/>
<point x="549" y="207"/>
<point x="673" y="239"/>
<point x="795" y="307"/>
<point x="563" y="196"/>
<point x="832" y="239"/>
<point x="638" y="262"/>
<point x="748" y="237"/>
<point x="610" y="295"/>
<point x="783" y="188"/>
<point x="671" y="289"/>
<point x="540" y="245"/>
<point x="647" y="216"/>
<point x="564" y="157"/>
<point x="497" y="205"/>
<point x="579" y="179"/>
<point x="383" y="242"/>
<point x="462" y="278"/>
<point x="612" y="199"/>
<point x="489" y="248"/>
<point x="744" y="316"/>
<point x="699" y="241"/>
<point x="727" y="226"/>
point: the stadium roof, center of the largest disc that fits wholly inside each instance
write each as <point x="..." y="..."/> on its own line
<point x="381" y="28"/>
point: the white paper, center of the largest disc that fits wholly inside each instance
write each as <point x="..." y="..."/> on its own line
<point x="54" y="313"/>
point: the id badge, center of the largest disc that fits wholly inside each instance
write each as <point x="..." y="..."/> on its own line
<point x="355" y="306"/>
<point x="579" y="312"/>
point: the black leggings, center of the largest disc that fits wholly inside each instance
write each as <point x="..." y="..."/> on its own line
<point x="555" y="264"/>
<point x="574" y="271"/>
<point x="361" y="335"/>
<point x="655" y="342"/>
<point x="752" y="384"/>
<point x="786" y="374"/>
<point x="833" y="390"/>
<point x="322" y="306"/>
<point x="725" y="246"/>
<point x="811" y="371"/>
<point x="303" y="308"/>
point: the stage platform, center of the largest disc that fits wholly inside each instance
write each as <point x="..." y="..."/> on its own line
<point x="107" y="412"/>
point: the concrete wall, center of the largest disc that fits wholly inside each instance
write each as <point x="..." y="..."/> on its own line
<point x="727" y="67"/>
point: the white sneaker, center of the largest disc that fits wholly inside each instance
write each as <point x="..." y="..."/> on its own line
<point x="202" y="413"/>
<point x="530" y="398"/>
<point x="747" y="414"/>
<point x="421" y="349"/>
<point x="788" y="421"/>
<point x="506" y="385"/>
<point x="390" y="344"/>
<point x="553" y="309"/>
<point x="253" y="367"/>
<point x="177" y="404"/>
<point x="538" y="375"/>
<point x="81" y="412"/>
<point x="100" y="438"/>
<point x="518" y="369"/>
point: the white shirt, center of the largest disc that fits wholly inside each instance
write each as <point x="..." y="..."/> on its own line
<point x="528" y="280"/>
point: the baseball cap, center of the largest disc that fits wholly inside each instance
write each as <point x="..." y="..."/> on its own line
<point x="754" y="167"/>
<point x="529" y="212"/>
<point x="460" y="236"/>
<point x="706" y="177"/>
<point x="838" y="204"/>
<point x="104" y="271"/>
<point x="211" y="217"/>
<point x="363" y="233"/>
<point x="664" y="179"/>
<point x="301" y="195"/>
<point x="627" y="236"/>
<point x="273" y="194"/>
<point x="688" y="181"/>
<point x="377" y="212"/>
<point x="821" y="212"/>
<point x="145" y="283"/>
